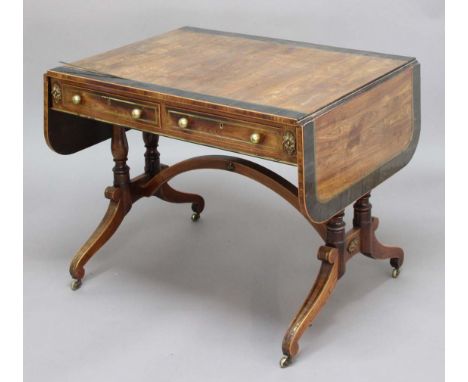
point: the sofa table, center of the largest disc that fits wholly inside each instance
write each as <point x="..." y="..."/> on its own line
<point x="347" y="119"/>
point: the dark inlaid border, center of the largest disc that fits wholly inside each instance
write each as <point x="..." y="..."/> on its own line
<point x="345" y="98"/>
<point x="180" y="93"/>
<point x="320" y="212"/>
<point x="298" y="43"/>
<point x="272" y="110"/>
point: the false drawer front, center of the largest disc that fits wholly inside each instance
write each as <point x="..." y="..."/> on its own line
<point x="103" y="106"/>
<point x="261" y="140"/>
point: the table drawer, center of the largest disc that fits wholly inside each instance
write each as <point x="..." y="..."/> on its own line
<point x="268" y="141"/>
<point x="105" y="107"/>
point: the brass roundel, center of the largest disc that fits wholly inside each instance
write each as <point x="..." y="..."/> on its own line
<point x="56" y="93"/>
<point x="230" y="166"/>
<point x="289" y="143"/>
<point x="353" y="245"/>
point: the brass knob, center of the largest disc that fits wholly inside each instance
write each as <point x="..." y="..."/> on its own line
<point x="182" y="123"/>
<point x="255" y="138"/>
<point x="76" y="99"/>
<point x="136" y="113"/>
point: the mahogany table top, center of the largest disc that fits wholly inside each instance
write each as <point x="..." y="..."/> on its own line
<point x="282" y="77"/>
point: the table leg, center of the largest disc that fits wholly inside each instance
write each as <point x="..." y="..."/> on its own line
<point x="338" y="249"/>
<point x="166" y="192"/>
<point x="331" y="255"/>
<point x="369" y="245"/>
<point x="120" y="203"/>
<point x="154" y="182"/>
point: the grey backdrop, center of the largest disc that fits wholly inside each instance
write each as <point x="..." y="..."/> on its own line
<point x="168" y="300"/>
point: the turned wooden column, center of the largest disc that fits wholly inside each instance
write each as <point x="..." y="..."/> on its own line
<point x="336" y="236"/>
<point x="363" y="219"/>
<point x="119" y="148"/>
<point x="369" y="245"/>
<point x="152" y="163"/>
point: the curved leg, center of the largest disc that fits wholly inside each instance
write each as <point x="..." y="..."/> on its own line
<point x="332" y="268"/>
<point x="166" y="192"/>
<point x="323" y="287"/>
<point x="369" y="244"/>
<point x="240" y="166"/>
<point x="154" y="182"/>
<point x="120" y="203"/>
<point x="106" y="228"/>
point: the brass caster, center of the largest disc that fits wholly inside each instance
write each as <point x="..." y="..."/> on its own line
<point x="285" y="361"/>
<point x="75" y="284"/>
<point x="195" y="216"/>
<point x="395" y="272"/>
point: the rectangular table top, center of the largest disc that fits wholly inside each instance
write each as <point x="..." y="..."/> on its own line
<point x="280" y="77"/>
<point x="348" y="119"/>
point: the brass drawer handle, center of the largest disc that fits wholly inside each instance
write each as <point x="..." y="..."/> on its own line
<point x="183" y="123"/>
<point x="76" y="99"/>
<point x="255" y="138"/>
<point x="136" y="113"/>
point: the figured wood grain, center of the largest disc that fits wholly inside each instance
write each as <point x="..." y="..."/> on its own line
<point x="229" y="133"/>
<point x="354" y="139"/>
<point x="108" y="107"/>
<point x="245" y="116"/>
<point x="321" y="290"/>
<point x="281" y="74"/>
<point x="361" y="112"/>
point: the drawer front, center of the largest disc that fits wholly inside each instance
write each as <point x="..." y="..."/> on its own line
<point x="267" y="141"/>
<point x="104" y="107"/>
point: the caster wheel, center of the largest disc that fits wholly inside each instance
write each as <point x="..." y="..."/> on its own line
<point x="195" y="216"/>
<point x="285" y="361"/>
<point x="75" y="284"/>
<point x="395" y="272"/>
